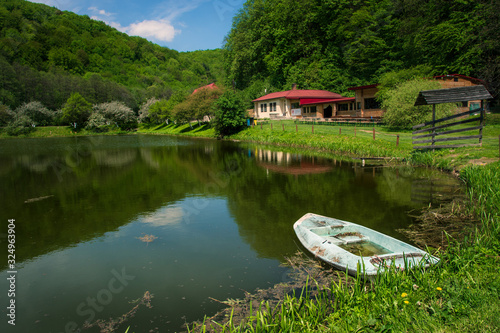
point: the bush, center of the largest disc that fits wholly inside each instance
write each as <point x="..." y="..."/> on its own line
<point x="37" y="113"/>
<point x="22" y="125"/>
<point x="399" y="105"/>
<point x="96" y="123"/>
<point x="229" y="114"/>
<point x="116" y="113"/>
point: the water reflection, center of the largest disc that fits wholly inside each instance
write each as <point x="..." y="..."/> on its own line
<point x="289" y="163"/>
<point x="218" y="216"/>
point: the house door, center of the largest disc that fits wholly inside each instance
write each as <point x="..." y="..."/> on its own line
<point x="327" y="112"/>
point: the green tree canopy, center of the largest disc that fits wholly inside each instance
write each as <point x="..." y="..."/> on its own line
<point x="399" y="104"/>
<point x="229" y="114"/>
<point x="76" y="110"/>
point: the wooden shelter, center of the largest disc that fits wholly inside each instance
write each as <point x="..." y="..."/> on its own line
<point x="451" y="95"/>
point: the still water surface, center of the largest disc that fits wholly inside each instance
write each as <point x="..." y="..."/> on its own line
<point x="102" y="221"/>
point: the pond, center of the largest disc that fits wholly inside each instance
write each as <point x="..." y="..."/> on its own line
<point x="145" y="231"/>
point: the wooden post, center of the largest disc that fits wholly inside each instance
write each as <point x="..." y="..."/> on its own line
<point x="283" y="125"/>
<point x="481" y="122"/>
<point x="313" y="128"/>
<point x="340" y="130"/>
<point x="373" y="133"/>
<point x="271" y="126"/>
<point x="397" y="141"/>
<point x="354" y="130"/>
<point x="433" y="124"/>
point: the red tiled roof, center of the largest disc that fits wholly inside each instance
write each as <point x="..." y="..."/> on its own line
<point x="299" y="94"/>
<point x="460" y="76"/>
<point x="208" y="86"/>
<point x="307" y="101"/>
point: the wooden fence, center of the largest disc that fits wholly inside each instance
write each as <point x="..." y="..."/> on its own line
<point x="437" y="132"/>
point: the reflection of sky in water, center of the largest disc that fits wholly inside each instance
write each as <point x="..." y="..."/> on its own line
<point x="169" y="215"/>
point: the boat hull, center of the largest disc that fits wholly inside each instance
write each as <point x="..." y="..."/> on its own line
<point x="354" y="248"/>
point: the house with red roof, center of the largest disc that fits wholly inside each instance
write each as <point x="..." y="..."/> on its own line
<point x="297" y="103"/>
<point x="366" y="104"/>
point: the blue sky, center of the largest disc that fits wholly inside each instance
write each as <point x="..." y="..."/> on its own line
<point x="182" y="25"/>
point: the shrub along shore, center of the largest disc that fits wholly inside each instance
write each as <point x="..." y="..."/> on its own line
<point x="460" y="294"/>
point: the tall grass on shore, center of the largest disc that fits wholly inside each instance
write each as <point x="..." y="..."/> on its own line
<point x="459" y="295"/>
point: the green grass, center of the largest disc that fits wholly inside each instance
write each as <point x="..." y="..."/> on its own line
<point x="196" y="130"/>
<point x="60" y="131"/>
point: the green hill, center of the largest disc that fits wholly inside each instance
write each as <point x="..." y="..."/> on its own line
<point x="46" y="54"/>
<point x="336" y="44"/>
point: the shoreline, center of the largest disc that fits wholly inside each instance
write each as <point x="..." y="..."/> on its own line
<point x="462" y="273"/>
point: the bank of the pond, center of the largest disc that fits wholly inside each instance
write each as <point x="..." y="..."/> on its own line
<point x="461" y="294"/>
<point x="347" y="140"/>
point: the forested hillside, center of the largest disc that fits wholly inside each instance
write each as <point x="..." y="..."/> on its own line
<point x="47" y="54"/>
<point x="336" y="44"/>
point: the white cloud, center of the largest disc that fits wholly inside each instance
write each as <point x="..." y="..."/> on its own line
<point x="100" y="11"/>
<point x="161" y="30"/>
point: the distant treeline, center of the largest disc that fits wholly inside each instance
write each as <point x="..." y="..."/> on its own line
<point x="337" y="44"/>
<point x="47" y="54"/>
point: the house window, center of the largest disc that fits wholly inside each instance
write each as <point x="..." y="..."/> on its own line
<point x="295" y="105"/>
<point x="313" y="109"/>
<point x="272" y="106"/>
<point x="371" y="103"/>
<point x="263" y="107"/>
<point x="465" y="104"/>
<point x="343" y="107"/>
<point x="358" y="107"/>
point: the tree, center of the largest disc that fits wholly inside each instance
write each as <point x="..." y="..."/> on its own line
<point x="6" y="115"/>
<point x="19" y="126"/>
<point x="116" y="113"/>
<point x="144" y="116"/>
<point x="76" y="110"/>
<point x="229" y="114"/>
<point x="399" y="104"/>
<point x="36" y="112"/>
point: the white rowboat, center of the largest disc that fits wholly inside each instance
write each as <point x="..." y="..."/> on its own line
<point x="349" y="246"/>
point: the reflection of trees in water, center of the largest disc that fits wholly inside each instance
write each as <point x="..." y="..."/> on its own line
<point x="147" y="156"/>
<point x="37" y="164"/>
<point x="115" y="157"/>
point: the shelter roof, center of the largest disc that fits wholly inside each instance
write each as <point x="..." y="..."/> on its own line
<point x="451" y="95"/>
